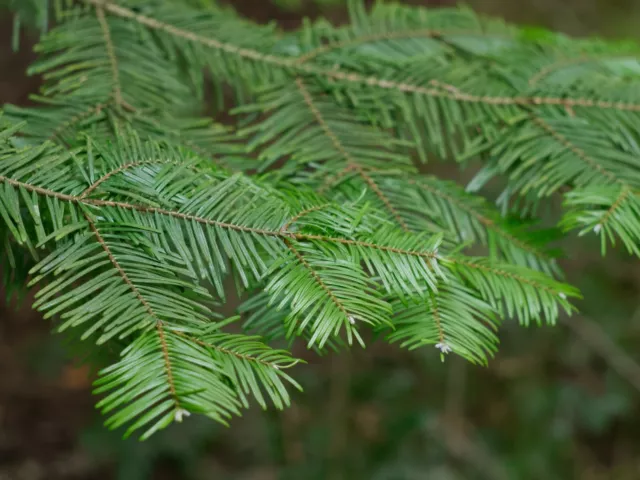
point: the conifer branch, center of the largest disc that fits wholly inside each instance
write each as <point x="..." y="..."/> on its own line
<point x="106" y="33"/>
<point x="242" y="356"/>
<point x="318" y="280"/>
<point x="351" y="161"/>
<point x="487" y="222"/>
<point x="454" y="93"/>
<point x="74" y="120"/>
<point x="240" y="228"/>
<point x="143" y="301"/>
<point x="167" y="363"/>
<point x="405" y="87"/>
<point x="559" y="64"/>
<point x="624" y="193"/>
<point x="185" y="34"/>
<point x="503" y="273"/>
<point x="137" y="231"/>
<point x="333" y="180"/>
<point x="302" y="214"/>
<point x="393" y="35"/>
<point x="119" y="170"/>
<point x="581" y="154"/>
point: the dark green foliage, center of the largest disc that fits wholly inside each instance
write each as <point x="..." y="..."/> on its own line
<point x="139" y="210"/>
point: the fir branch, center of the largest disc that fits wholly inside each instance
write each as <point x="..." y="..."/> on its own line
<point x="624" y="193"/>
<point x="167" y="362"/>
<point x="121" y="169"/>
<point x="117" y="90"/>
<point x="130" y="229"/>
<point x="468" y="218"/>
<point x="524" y="295"/>
<point x="242" y="356"/>
<point x="305" y="68"/>
<point x="581" y="154"/>
<point x="454" y="93"/>
<point x="609" y="211"/>
<point x="74" y="120"/>
<point x="185" y="34"/>
<point x="451" y="319"/>
<point x="351" y="162"/>
<point x="390" y="35"/>
<point x="239" y="228"/>
<point x="303" y="213"/>
<point x="316" y="277"/>
<point x="538" y="76"/>
<point x="333" y="180"/>
<point x="484" y="220"/>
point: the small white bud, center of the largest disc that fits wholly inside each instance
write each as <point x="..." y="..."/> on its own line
<point x="563" y="296"/>
<point x="443" y="347"/>
<point x="180" y="413"/>
<point x="597" y="228"/>
<point x="352" y="320"/>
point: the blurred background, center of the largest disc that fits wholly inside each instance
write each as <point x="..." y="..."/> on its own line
<point x="556" y="403"/>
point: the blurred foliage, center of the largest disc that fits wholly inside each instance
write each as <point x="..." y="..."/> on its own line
<point x="296" y="5"/>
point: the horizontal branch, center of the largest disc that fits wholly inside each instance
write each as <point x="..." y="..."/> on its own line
<point x="241" y="356"/>
<point x="397" y="35"/>
<point x="543" y="72"/>
<point x="503" y="273"/>
<point x="297" y="66"/>
<point x="487" y="222"/>
<point x="121" y="169"/>
<point x="283" y="234"/>
<point x="580" y="153"/>
<point x="74" y="120"/>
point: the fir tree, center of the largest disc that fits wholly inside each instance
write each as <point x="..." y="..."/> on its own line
<point x="136" y="214"/>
